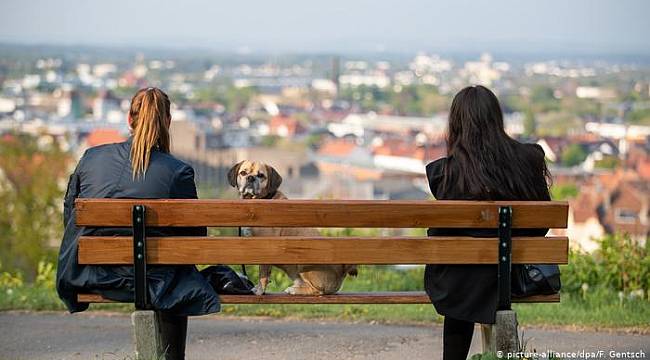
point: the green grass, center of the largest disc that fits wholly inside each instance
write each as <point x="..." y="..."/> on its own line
<point x="34" y="298"/>
<point x="598" y="308"/>
<point x="592" y="312"/>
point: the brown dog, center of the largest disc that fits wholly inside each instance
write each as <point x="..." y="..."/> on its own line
<point x="255" y="180"/>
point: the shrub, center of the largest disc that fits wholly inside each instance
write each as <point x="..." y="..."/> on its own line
<point x="620" y="264"/>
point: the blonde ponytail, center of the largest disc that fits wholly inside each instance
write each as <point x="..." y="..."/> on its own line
<point x="150" y="116"/>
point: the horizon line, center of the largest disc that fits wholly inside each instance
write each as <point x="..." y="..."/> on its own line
<point x="245" y="50"/>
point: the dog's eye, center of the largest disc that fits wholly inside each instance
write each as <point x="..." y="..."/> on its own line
<point x="242" y="173"/>
<point x="261" y="176"/>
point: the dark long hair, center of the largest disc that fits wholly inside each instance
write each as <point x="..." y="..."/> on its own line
<point x="484" y="163"/>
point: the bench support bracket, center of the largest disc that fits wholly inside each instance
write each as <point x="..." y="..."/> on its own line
<point x="502" y="336"/>
<point x="140" y="258"/>
<point x="505" y="257"/>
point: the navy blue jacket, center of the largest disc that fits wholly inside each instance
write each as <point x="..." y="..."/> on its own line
<point x="105" y="172"/>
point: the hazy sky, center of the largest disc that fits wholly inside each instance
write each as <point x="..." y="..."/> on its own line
<point x="598" y="26"/>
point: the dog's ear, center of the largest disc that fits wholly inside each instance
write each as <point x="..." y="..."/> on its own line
<point x="274" y="179"/>
<point x="232" y="174"/>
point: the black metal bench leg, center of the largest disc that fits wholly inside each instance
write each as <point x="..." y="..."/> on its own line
<point x="149" y="339"/>
<point x="502" y="336"/>
<point x="140" y="258"/>
<point x="505" y="257"/>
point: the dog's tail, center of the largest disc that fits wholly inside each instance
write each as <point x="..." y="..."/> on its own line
<point x="351" y="270"/>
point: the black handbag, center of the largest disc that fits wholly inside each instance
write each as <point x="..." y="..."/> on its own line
<point x="225" y="280"/>
<point x="536" y="279"/>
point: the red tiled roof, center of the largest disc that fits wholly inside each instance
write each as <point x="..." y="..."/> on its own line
<point x="292" y="125"/>
<point x="628" y="197"/>
<point x="394" y="147"/>
<point x="104" y="136"/>
<point x="337" y="148"/>
<point x="585" y="205"/>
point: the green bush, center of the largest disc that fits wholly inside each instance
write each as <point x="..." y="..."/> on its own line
<point x="620" y="264"/>
<point x="608" y="162"/>
<point x="564" y="192"/>
<point x="33" y="174"/>
<point x="10" y="280"/>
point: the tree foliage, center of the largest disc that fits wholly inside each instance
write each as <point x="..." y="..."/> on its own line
<point x="530" y="126"/>
<point x="413" y="100"/>
<point x="32" y="181"/>
<point x="564" y="192"/>
<point x="573" y="155"/>
<point x="619" y="264"/>
<point x="233" y="98"/>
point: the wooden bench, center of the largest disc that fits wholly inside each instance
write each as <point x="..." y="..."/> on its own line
<point x="503" y="250"/>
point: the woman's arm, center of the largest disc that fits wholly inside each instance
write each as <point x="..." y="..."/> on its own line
<point x="71" y="193"/>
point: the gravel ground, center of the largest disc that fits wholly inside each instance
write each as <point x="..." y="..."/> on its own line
<point x="99" y="335"/>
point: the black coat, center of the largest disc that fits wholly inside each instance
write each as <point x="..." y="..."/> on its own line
<point x="465" y="292"/>
<point x="105" y="172"/>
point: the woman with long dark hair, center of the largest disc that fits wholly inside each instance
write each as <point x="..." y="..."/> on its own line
<point x="139" y="168"/>
<point x="482" y="163"/>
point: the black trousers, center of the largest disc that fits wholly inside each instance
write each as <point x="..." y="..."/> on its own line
<point x="173" y="330"/>
<point x="456" y="338"/>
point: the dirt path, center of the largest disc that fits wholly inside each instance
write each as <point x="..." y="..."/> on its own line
<point x="108" y="336"/>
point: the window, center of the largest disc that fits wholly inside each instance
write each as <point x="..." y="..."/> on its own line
<point x="626" y="216"/>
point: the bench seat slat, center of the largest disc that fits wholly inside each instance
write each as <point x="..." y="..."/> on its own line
<point x="322" y="250"/>
<point x="322" y="213"/>
<point x="403" y="297"/>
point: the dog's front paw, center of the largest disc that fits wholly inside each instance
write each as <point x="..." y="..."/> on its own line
<point x="290" y="290"/>
<point x="259" y="290"/>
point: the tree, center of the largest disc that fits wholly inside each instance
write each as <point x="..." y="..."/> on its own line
<point x="563" y="192"/>
<point x="233" y="98"/>
<point x="573" y="155"/>
<point x="530" y="127"/>
<point x="32" y="180"/>
<point x="542" y="99"/>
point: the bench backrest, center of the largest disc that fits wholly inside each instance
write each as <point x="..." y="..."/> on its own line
<point x="321" y="213"/>
<point x="502" y="250"/>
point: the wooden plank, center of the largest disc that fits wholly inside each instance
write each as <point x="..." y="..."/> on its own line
<point x="322" y="213"/>
<point x="404" y="297"/>
<point x="322" y="250"/>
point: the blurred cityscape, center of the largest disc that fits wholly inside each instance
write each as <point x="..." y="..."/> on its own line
<point x="347" y="127"/>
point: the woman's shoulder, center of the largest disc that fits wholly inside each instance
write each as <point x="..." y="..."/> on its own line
<point x="436" y="167"/>
<point x="533" y="149"/>
<point x="101" y="153"/>
<point x="169" y="161"/>
<point x="435" y="171"/>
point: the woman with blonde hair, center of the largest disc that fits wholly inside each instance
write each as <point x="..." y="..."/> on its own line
<point x="139" y="168"/>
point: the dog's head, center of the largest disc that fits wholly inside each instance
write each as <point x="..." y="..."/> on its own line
<point x="254" y="180"/>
